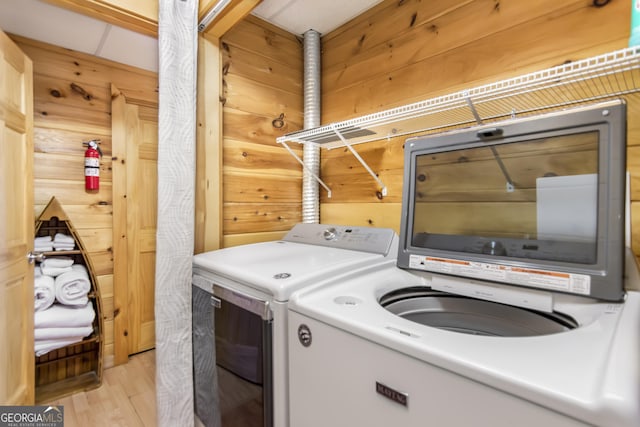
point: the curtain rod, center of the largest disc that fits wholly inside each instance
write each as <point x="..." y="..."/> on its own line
<point x="212" y="14"/>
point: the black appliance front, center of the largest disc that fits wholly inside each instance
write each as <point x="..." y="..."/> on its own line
<point x="243" y="340"/>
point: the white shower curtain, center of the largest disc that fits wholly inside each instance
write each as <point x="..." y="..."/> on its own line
<point x="177" y="39"/>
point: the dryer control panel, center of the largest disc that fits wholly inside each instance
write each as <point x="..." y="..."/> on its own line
<point x="364" y="239"/>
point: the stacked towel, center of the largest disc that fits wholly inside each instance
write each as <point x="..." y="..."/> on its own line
<point x="63" y="242"/>
<point x="50" y="334"/>
<point x="60" y="325"/>
<point x="55" y="266"/>
<point x="58" y="261"/>
<point x="45" y="292"/>
<point x="57" y="278"/>
<point x="63" y="238"/>
<point x="43" y="244"/>
<point x="62" y="316"/>
<point x="45" y="346"/>
<point x="72" y="287"/>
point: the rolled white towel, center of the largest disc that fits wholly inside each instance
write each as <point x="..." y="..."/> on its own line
<point x="37" y="271"/>
<point x="41" y="334"/>
<point x="55" y="271"/>
<point x="63" y="238"/>
<point x="72" y="287"/>
<point x="45" y="346"/>
<point x="44" y="292"/>
<point x="80" y="268"/>
<point x="57" y="262"/>
<point x="62" y="316"/>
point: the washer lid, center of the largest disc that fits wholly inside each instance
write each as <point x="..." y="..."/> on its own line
<point x="282" y="267"/>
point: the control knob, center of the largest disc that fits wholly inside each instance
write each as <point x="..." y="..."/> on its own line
<point x="330" y="234"/>
<point x="304" y="335"/>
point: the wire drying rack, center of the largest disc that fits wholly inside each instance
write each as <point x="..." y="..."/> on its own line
<point x="602" y="77"/>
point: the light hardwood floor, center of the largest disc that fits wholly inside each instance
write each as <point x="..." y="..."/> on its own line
<point x="126" y="398"/>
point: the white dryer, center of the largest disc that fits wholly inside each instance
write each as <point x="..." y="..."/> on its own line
<point x="513" y="303"/>
<point x="250" y="286"/>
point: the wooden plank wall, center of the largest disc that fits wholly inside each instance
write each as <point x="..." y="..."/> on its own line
<point x="262" y="182"/>
<point x="405" y="51"/>
<point x="396" y="53"/>
<point x="72" y="104"/>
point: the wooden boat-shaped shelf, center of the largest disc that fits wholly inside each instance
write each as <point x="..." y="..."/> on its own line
<point x="75" y="367"/>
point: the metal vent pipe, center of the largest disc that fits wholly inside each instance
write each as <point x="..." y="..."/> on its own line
<point x="311" y="153"/>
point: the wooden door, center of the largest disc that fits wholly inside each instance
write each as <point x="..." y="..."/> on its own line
<point x="135" y="152"/>
<point x="16" y="229"/>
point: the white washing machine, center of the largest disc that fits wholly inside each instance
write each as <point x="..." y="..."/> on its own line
<point x="354" y="362"/>
<point x="514" y="301"/>
<point x="249" y="286"/>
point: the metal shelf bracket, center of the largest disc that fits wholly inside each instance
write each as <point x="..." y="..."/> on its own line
<point x="383" y="188"/>
<point x="306" y="168"/>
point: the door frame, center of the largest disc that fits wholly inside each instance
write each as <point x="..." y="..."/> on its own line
<point x="126" y="330"/>
<point x="120" y="238"/>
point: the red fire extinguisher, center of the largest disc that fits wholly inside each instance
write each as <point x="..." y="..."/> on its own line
<point x="92" y="165"/>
